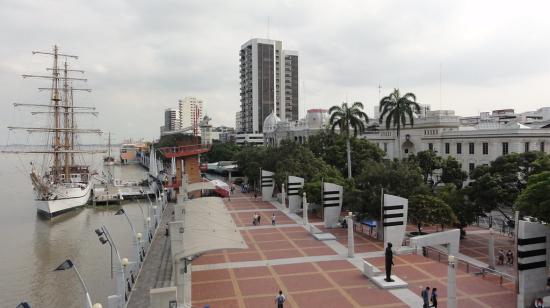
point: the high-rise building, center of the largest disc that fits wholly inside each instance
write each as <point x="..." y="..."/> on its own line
<point x="190" y="113"/>
<point x="269" y="81"/>
<point x="171" y="119"/>
<point x="238" y="122"/>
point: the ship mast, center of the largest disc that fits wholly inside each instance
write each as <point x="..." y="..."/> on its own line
<point x="61" y="111"/>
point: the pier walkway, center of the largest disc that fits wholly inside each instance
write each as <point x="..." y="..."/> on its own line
<point x="157" y="267"/>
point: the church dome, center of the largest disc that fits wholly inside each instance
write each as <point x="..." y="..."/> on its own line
<point x="270" y="122"/>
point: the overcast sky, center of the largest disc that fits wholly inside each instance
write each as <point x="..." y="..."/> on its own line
<point x="141" y="56"/>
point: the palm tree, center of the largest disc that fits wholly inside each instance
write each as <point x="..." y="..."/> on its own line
<point x="398" y="109"/>
<point x="346" y="119"/>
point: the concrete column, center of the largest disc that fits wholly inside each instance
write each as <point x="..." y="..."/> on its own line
<point x="187" y="285"/>
<point x="491" y="249"/>
<point x="304" y="212"/>
<point x="451" y="282"/>
<point x="351" y="244"/>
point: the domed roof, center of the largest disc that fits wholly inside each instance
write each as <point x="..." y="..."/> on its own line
<point x="271" y="121"/>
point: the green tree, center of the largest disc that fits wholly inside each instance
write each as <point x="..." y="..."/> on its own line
<point x="428" y="161"/>
<point x="396" y="110"/>
<point x="534" y="200"/>
<point x="222" y="152"/>
<point x="331" y="148"/>
<point x="428" y="209"/>
<point x="250" y="159"/>
<point x="346" y="119"/>
<point x="465" y="211"/>
<point x="452" y="173"/>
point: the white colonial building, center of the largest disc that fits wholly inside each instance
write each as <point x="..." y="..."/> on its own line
<point x="276" y="130"/>
<point x="472" y="143"/>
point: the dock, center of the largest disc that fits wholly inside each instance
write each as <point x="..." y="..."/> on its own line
<point x="114" y="194"/>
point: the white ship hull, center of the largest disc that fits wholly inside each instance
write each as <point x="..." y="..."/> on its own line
<point x="67" y="198"/>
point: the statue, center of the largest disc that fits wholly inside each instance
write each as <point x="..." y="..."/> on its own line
<point x="389" y="262"/>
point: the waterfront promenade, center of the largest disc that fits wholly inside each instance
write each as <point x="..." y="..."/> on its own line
<point x="315" y="273"/>
<point x="156" y="271"/>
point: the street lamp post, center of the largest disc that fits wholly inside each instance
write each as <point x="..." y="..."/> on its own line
<point x="135" y="237"/>
<point x="351" y="244"/>
<point x="145" y="222"/>
<point x="120" y="289"/>
<point x="451" y="282"/>
<point x="68" y="264"/>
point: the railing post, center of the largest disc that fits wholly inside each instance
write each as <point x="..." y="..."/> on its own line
<point x="467" y="267"/>
<point x="501" y="279"/>
<point x="439" y="256"/>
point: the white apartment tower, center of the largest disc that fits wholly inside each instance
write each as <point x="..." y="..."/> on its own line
<point x="190" y="112"/>
<point x="269" y="80"/>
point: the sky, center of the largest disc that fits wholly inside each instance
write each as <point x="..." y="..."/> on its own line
<point x="141" y="56"/>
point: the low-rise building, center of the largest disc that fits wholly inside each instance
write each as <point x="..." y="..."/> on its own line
<point x="471" y="141"/>
<point x="276" y="130"/>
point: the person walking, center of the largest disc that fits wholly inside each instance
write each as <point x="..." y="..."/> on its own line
<point x="259" y="218"/>
<point x="255" y="195"/>
<point x="500" y="256"/>
<point x="280" y="299"/>
<point x="255" y="219"/>
<point x="273" y="219"/>
<point x="434" y="298"/>
<point x="426" y="297"/>
<point x="511" y="257"/>
<point x="539" y="303"/>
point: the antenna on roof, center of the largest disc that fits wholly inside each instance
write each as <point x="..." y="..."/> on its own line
<point x="268" y="22"/>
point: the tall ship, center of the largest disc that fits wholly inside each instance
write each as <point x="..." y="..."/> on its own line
<point x="62" y="181"/>
<point x="109" y="159"/>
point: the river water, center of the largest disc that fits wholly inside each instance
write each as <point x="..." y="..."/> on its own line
<point x="31" y="246"/>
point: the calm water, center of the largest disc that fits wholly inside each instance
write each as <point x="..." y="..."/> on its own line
<point x="32" y="246"/>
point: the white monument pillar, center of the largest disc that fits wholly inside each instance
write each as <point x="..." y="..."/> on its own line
<point x="451" y="282"/>
<point x="304" y="212"/>
<point x="491" y="249"/>
<point x="351" y="244"/>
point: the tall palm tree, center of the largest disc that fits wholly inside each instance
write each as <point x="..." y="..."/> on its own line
<point x="398" y="109"/>
<point x="348" y="118"/>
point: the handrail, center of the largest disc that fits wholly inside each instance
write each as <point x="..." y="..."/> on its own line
<point x="482" y="270"/>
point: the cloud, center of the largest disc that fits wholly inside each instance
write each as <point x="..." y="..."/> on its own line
<point x="142" y="56"/>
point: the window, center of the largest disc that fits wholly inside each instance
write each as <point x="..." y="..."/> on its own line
<point x="471" y="167"/>
<point x="447" y="148"/>
<point x="485" y="148"/>
<point x="504" y="148"/>
<point x="385" y="147"/>
<point x="526" y="146"/>
<point x="471" y="148"/>
<point x="542" y="146"/>
<point x="431" y="146"/>
<point x="459" y="148"/>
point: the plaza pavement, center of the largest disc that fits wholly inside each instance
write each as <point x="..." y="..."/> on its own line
<point x="312" y="273"/>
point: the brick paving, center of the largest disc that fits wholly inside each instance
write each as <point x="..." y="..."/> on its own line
<point x="314" y="274"/>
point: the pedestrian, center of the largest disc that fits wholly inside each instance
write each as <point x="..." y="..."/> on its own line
<point x="510" y="257"/>
<point x="539" y="303"/>
<point x="426" y="297"/>
<point x="254" y="219"/>
<point x="167" y="232"/>
<point x="434" y="297"/>
<point x="280" y="299"/>
<point x="259" y="218"/>
<point x="501" y="256"/>
<point x="273" y="219"/>
<point x="255" y="195"/>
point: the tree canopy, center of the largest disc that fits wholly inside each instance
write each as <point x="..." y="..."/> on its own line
<point x="533" y="200"/>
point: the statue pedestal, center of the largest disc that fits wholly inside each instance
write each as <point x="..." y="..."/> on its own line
<point x="397" y="282"/>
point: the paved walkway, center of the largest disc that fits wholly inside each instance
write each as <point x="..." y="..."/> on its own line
<point x="318" y="274"/>
<point x="156" y="271"/>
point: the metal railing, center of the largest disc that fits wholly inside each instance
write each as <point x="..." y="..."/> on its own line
<point x="475" y="270"/>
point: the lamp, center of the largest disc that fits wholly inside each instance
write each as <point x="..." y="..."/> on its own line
<point x="124" y="262"/>
<point x="103" y="240"/>
<point x="68" y="264"/>
<point x="97" y="305"/>
<point x="138" y="236"/>
<point x="148" y="219"/>
<point x="451" y="259"/>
